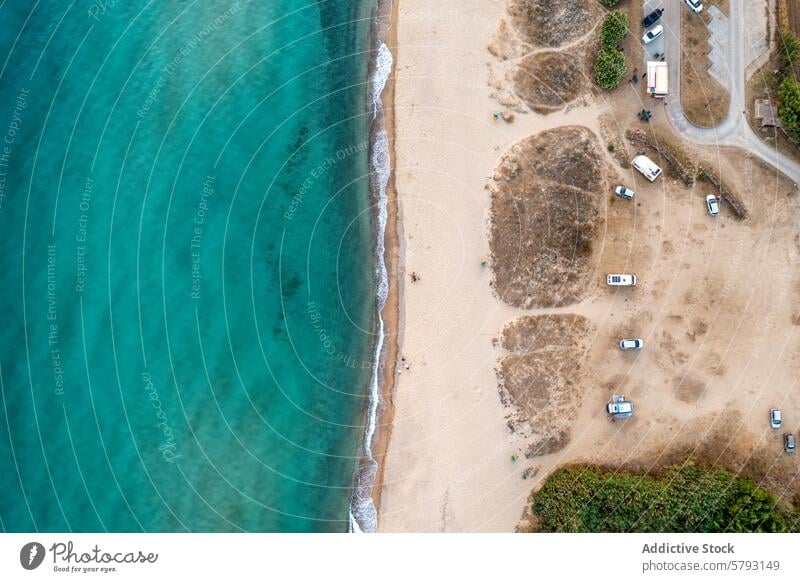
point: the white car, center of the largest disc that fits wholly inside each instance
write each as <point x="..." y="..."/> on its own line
<point x="631" y="344"/>
<point x="694" y="5"/>
<point x="624" y="192"/>
<point x="621" y="280"/>
<point x="653" y="33"/>
<point x="712" y="204"/>
<point x="775" y="418"/>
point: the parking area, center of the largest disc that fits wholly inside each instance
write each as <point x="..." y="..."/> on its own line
<point x="654" y="50"/>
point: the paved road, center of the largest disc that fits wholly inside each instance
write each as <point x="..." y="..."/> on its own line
<point x="734" y="129"/>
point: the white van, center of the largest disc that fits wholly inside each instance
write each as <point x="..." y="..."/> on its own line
<point x="621" y="280"/>
<point x="647" y="167"/>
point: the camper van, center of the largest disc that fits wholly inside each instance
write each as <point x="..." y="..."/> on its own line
<point x="647" y="167"/>
<point x="657" y="79"/>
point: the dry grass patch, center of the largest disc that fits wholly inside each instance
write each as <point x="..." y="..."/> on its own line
<point x="545" y="203"/>
<point x="705" y="102"/>
<point x="615" y="143"/>
<point x="548" y="81"/>
<point x="539" y="378"/>
<point x="546" y="23"/>
<point x="722" y="440"/>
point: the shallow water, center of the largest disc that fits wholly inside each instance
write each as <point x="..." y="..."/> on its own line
<point x="189" y="273"/>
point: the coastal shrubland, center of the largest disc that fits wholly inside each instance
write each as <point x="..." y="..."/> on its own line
<point x="788" y="85"/>
<point x="614" y="28"/>
<point x="610" y="64"/>
<point x="684" y="498"/>
<point x="789" y="50"/>
<point x="790" y="106"/>
<point x="609" y="67"/>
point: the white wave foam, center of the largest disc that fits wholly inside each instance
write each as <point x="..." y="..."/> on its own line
<point x="363" y="515"/>
<point x="383" y="68"/>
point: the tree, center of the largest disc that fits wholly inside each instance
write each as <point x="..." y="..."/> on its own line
<point x="609" y="3"/>
<point x="752" y="509"/>
<point x="790" y="106"/>
<point x="789" y="49"/>
<point x="609" y="67"/>
<point x="614" y="28"/>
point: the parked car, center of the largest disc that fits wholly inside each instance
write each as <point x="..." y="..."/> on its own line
<point x="619" y="408"/>
<point x="652" y="34"/>
<point x="631" y="344"/>
<point x="621" y="280"/>
<point x="624" y="192"/>
<point x="712" y="204"/>
<point x="788" y="442"/>
<point x="775" y="418"/>
<point x="648" y="168"/>
<point x="694" y="5"/>
<point x="652" y="18"/>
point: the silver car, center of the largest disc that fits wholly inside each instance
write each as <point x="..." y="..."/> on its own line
<point x="624" y="192"/>
<point x="788" y="442"/>
<point x="775" y="418"/>
<point x="712" y="204"/>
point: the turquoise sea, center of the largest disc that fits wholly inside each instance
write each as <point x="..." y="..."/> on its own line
<point x="188" y="263"/>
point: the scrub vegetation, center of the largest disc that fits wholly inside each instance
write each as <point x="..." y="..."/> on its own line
<point x="610" y="65"/>
<point x="685" y="498"/>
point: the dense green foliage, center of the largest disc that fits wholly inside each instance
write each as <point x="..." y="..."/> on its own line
<point x="609" y="67"/>
<point x="790" y="106"/>
<point x="684" y="499"/>
<point x="614" y="28"/>
<point x="789" y="49"/>
<point x="609" y="3"/>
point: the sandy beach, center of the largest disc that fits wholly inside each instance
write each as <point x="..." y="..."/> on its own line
<point x="448" y="463"/>
<point x="705" y="382"/>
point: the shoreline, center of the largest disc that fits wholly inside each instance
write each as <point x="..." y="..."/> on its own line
<point x="391" y="312"/>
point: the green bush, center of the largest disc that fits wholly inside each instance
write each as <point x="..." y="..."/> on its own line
<point x="684" y="499"/>
<point x="790" y="106"/>
<point x="789" y="49"/>
<point x="614" y="28"/>
<point x="609" y="67"/>
<point x="751" y="508"/>
<point x="609" y="3"/>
